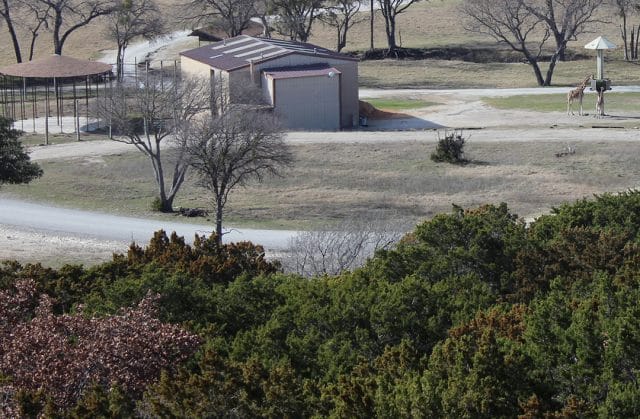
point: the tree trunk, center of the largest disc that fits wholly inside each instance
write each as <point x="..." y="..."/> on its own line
<point x="32" y="47"/>
<point x="266" y="32"/>
<point x="57" y="45"/>
<point x="371" y="25"/>
<point x="623" y="33"/>
<point x="631" y="54"/>
<point x="14" y="37"/>
<point x="219" y="220"/>
<point x="561" y="47"/>
<point x="533" y="62"/>
<point x="635" y="46"/>
<point x="552" y="66"/>
<point x="120" y="63"/>
<point x="390" y="27"/>
<point x="14" y="40"/>
<point x="342" y="36"/>
<point x="166" y="204"/>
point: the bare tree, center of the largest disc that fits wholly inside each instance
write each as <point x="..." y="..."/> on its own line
<point x="230" y="16"/>
<point x="625" y="9"/>
<point x="526" y="26"/>
<point x="565" y="20"/>
<point x="23" y="14"/>
<point x="390" y="10"/>
<point x="342" y="15"/>
<point x="149" y="116"/>
<point x="295" y="18"/>
<point x="262" y="13"/>
<point x="133" y="19"/>
<point x="240" y="145"/>
<point x="33" y="17"/>
<point x="514" y="24"/>
<point x="66" y="16"/>
<point x="8" y="9"/>
<point x="343" y="247"/>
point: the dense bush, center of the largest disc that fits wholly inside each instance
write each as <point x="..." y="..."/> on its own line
<point x="473" y="314"/>
<point x="450" y="148"/>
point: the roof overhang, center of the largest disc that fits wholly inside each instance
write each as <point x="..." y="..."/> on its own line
<point x="301" y="71"/>
<point x="56" y="66"/>
<point x="600" y="43"/>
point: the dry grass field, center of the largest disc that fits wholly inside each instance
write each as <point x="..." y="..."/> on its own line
<point x="330" y="182"/>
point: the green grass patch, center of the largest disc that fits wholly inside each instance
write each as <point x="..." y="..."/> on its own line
<point x="614" y="102"/>
<point x="399" y="104"/>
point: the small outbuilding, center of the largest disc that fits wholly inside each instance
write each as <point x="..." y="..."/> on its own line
<point x="309" y="87"/>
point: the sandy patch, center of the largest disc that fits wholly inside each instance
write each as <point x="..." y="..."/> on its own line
<point x="54" y="250"/>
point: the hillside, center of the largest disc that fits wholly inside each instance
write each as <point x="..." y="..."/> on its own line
<point x="431" y="24"/>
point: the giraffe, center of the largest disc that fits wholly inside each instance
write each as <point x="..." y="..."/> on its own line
<point x="577" y="93"/>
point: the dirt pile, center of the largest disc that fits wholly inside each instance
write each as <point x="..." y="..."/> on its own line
<point x="371" y="112"/>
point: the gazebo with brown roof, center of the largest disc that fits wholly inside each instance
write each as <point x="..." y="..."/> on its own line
<point x="54" y="67"/>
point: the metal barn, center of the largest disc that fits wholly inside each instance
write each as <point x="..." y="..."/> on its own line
<point x="309" y="87"/>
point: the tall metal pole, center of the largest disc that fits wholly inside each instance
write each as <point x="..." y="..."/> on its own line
<point x="97" y="102"/>
<point x="46" y="117"/>
<point x="86" y="99"/>
<point x="109" y="104"/>
<point x="76" y="120"/>
<point x="34" y="106"/>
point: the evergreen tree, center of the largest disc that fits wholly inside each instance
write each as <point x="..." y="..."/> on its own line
<point x="15" y="164"/>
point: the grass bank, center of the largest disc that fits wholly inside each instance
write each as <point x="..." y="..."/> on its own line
<point x="614" y="102"/>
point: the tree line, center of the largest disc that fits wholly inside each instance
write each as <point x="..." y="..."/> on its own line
<point x="526" y="26"/>
<point x="127" y="20"/>
<point x="473" y="314"/>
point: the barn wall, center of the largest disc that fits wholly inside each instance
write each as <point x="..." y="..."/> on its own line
<point x="348" y="81"/>
<point x="194" y="68"/>
<point x="292" y="97"/>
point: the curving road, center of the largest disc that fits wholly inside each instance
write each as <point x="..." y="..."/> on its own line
<point x="85" y="224"/>
<point x="459" y="109"/>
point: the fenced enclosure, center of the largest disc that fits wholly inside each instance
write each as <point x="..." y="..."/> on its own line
<point x="70" y="104"/>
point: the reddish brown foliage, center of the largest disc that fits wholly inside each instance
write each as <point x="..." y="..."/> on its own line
<point x="65" y="355"/>
<point x="207" y="259"/>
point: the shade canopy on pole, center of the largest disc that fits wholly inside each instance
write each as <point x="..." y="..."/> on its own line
<point x="600" y="44"/>
<point x="58" y="66"/>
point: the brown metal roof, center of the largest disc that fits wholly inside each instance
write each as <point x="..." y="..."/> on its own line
<point x="301" y="71"/>
<point x="238" y="52"/>
<point x="58" y="66"/>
